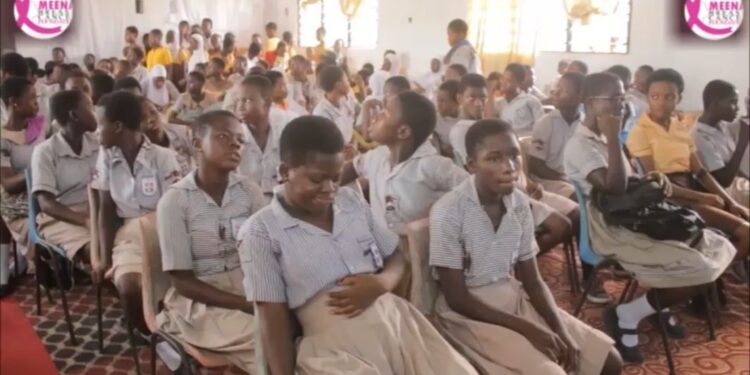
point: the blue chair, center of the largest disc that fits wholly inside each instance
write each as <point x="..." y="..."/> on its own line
<point x="53" y="255"/>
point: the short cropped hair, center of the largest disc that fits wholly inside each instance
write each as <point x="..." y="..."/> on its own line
<point x="716" y="90"/>
<point x="418" y="113"/>
<point x="330" y="76"/>
<point x="481" y="130"/>
<point x="623" y="72"/>
<point x="306" y="135"/>
<point x="598" y="84"/>
<point x="274" y="76"/>
<point x="14" y="64"/>
<point x="126" y="83"/>
<point x="517" y="70"/>
<point x="63" y="102"/>
<point x="14" y="87"/>
<point x="666" y="75"/>
<point x="206" y="120"/>
<point x="582" y="66"/>
<point x="124" y="107"/>
<point x="458" y="26"/>
<point x="472" y="80"/>
<point x="399" y="82"/>
<point x="261" y="83"/>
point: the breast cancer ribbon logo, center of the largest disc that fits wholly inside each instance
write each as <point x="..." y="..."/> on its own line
<point x="43" y="19"/>
<point x="23" y="8"/>
<point x="692" y="16"/>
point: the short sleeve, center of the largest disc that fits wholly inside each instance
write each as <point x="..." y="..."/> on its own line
<point x="360" y="163"/>
<point x="446" y="249"/>
<point x="528" y="247"/>
<point x="42" y="171"/>
<point x="444" y="174"/>
<point x="586" y="158"/>
<point x="169" y="169"/>
<point x="164" y="57"/>
<point x="174" y="238"/>
<point x="101" y="174"/>
<point x="386" y="240"/>
<point x="540" y="138"/>
<point x="638" y="142"/>
<point x="263" y="277"/>
<point x="173" y="92"/>
<point x="179" y="105"/>
<point x="5" y="150"/>
<point x="457" y="137"/>
<point x="707" y="152"/>
<point x="537" y="111"/>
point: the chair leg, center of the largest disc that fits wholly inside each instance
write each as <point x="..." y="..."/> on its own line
<point x="16" y="265"/>
<point x="714" y="294"/>
<point x="99" y="314"/>
<point x="625" y="291"/>
<point x="570" y="265"/>
<point x="709" y="313"/>
<point x="589" y="284"/>
<point x="153" y="354"/>
<point x="574" y="263"/>
<point x="38" y="284"/>
<point x="133" y="347"/>
<point x="58" y="278"/>
<point x="664" y="340"/>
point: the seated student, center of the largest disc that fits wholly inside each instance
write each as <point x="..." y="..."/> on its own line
<point x="529" y="84"/>
<point x="594" y="159"/>
<point x="61" y="168"/>
<point x="21" y="133"/>
<point x="206" y="305"/>
<point x="282" y="109"/>
<point x="216" y="85"/>
<point x="472" y="91"/>
<point x="317" y="254"/>
<point x="632" y="111"/>
<point x="719" y="152"/>
<point x="405" y="174"/>
<point x="577" y="66"/>
<point x="377" y="80"/>
<point x="239" y="70"/>
<point x="131" y="175"/>
<point x="136" y="56"/>
<point x="735" y="129"/>
<point x="158" y="89"/>
<point x="335" y="104"/>
<point x="637" y="93"/>
<point x="77" y="80"/>
<point x="552" y="132"/>
<point x="518" y="108"/>
<point x="493" y="304"/>
<point x="101" y="84"/>
<point x="455" y="72"/>
<point x="300" y="87"/>
<point x="260" y="154"/>
<point x="448" y="111"/>
<point x="178" y="138"/>
<point x="374" y="106"/>
<point x="664" y="144"/>
<point x="193" y="102"/>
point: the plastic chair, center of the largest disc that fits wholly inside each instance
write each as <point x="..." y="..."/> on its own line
<point x="54" y="254"/>
<point x="423" y="287"/>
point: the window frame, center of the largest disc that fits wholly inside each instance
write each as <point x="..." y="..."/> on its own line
<point x="347" y="41"/>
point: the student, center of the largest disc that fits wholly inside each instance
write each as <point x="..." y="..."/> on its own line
<point x="455" y="72"/>
<point x="577" y="66"/>
<point x="719" y="152"/>
<point x="594" y="159"/>
<point x="260" y="154"/>
<point x="372" y="106"/>
<point x="158" y="55"/>
<point x="461" y="52"/>
<point x="214" y="47"/>
<point x="216" y="85"/>
<point x="282" y="110"/>
<point x="239" y="70"/>
<point x="335" y="104"/>
<point x="122" y="69"/>
<point x="338" y="294"/>
<point x="316" y="53"/>
<point x="176" y="137"/>
<point x="377" y="79"/>
<point x="664" y="144"/>
<point x="59" y="56"/>
<point x="272" y="39"/>
<point x="528" y="85"/>
<point x="300" y="87"/>
<point x="198" y="54"/>
<point x="494" y="88"/>
<point x="131" y="176"/>
<point x="158" y="89"/>
<point x="131" y="37"/>
<point x="101" y="84"/>
<point x="518" y="108"/>
<point x="562" y="67"/>
<point x="207" y="26"/>
<point x="193" y="102"/>
<point x="61" y="168"/>
<point x="89" y="61"/>
<point x="473" y="97"/>
<point x="552" y="132"/>
<point x="105" y="65"/>
<point x="275" y="58"/>
<point x="78" y="80"/>
<point x="735" y="130"/>
<point x="637" y="93"/>
<point x="493" y="303"/>
<point x="228" y="53"/>
<point x="429" y="83"/>
<point x="253" y="54"/>
<point x="171" y="45"/>
<point x="135" y="56"/>
<point x="406" y="174"/>
<point x="448" y="111"/>
<point x="128" y="84"/>
<point x="632" y="111"/>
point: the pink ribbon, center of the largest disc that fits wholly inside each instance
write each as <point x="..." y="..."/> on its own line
<point x="693" y="8"/>
<point x="22" y="7"/>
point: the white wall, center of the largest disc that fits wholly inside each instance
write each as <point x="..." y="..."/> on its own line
<point x="652" y="41"/>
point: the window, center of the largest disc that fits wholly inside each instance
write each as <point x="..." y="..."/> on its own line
<point x="608" y="32"/>
<point x="361" y="31"/>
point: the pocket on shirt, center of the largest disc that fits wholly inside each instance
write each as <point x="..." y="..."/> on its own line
<point x="148" y="191"/>
<point x="670" y="154"/>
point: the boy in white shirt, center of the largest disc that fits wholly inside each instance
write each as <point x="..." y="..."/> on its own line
<point x="335" y="104"/>
<point x="518" y="108"/>
<point x="461" y="52"/>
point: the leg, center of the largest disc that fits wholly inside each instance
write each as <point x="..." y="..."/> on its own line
<point x="737" y="228"/>
<point x="53" y="261"/>
<point x="556" y="230"/>
<point x="99" y="314"/>
<point x="613" y="364"/>
<point x="129" y="287"/>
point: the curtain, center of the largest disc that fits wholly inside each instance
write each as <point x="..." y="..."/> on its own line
<point x="503" y="32"/>
<point x="350" y="7"/>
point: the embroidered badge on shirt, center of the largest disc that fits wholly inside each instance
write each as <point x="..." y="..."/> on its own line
<point x="148" y="186"/>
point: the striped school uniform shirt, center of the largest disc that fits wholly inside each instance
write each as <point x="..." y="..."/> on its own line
<point x="462" y="236"/>
<point x="261" y="166"/>
<point x="198" y="234"/>
<point x="287" y="260"/>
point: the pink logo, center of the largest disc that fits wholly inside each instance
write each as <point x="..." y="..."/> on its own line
<point x="714" y="19"/>
<point x="43" y="19"/>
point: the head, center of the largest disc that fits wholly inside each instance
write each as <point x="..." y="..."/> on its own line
<point x="72" y="109"/>
<point x="568" y="94"/>
<point x="254" y="50"/>
<point x="457" y="31"/>
<point x="281" y="49"/>
<point x="562" y="66"/>
<point x="105" y="65"/>
<point x="320" y="35"/>
<point x="146" y="41"/>
<point x="640" y="79"/>
<point x="196" y="29"/>
<point x="603" y="94"/>
<point x="207" y="26"/>
<point x="183" y="28"/>
<point x="448" y="99"/>
<point x="338" y="46"/>
<point x="14" y="65"/>
<point x="513" y="78"/>
<point x="255" y="99"/>
<point x="493" y="80"/>
<point x="493" y="156"/>
<point x="288" y="38"/>
<point x="121" y="120"/>
<point x="89" y="61"/>
<point x="123" y="69"/>
<point x="150" y="116"/>
<point x="312" y="155"/>
<point x="435" y="65"/>
<point x="333" y="80"/>
<point x="170" y="37"/>
<point x="136" y="55"/>
<point x="278" y="81"/>
<point x="529" y="79"/>
<point x="240" y="65"/>
<point x="158" y="76"/>
<point x="577" y="66"/>
<point x="19" y="97"/>
<point x="256" y="39"/>
<point x="129" y="84"/>
<point x="215" y="67"/>
<point x="622" y="72"/>
<point x="271" y="29"/>
<point x="387" y="61"/>
<point x="58" y="54"/>
<point x="228" y="43"/>
<point x="77" y="80"/>
<point x="408" y="118"/>
<point x="721" y="100"/>
<point x="368" y="67"/>
<point x="101" y="84"/>
<point x="473" y="89"/>
<point x="155" y="38"/>
<point x="455" y="72"/>
<point x="131" y="35"/>
<point x="394" y="86"/>
<point x="298" y="66"/>
<point x="664" y="90"/>
<point x="195" y="82"/>
<point x="215" y="41"/>
<point x="218" y="139"/>
<point x="200" y="67"/>
<point x="196" y="42"/>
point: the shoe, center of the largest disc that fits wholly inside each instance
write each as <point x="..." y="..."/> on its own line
<point x="597" y="295"/>
<point x="612" y="322"/>
<point x="674" y="331"/>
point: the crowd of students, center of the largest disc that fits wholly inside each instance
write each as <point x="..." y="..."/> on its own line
<point x="281" y="183"/>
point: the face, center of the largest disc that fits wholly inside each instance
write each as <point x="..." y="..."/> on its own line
<point x="159" y="82"/>
<point x="565" y="95"/>
<point x="89" y="59"/>
<point x="508" y="83"/>
<point x="221" y="146"/>
<point x="150" y="118"/>
<point x="530" y="78"/>
<point x="728" y="107"/>
<point x="343" y="86"/>
<point x="79" y="83"/>
<point x="214" y="69"/>
<point x="207" y="27"/>
<point x="85" y="115"/>
<point x="154" y="40"/>
<point x="496" y="163"/>
<point x="215" y="41"/>
<point x="104" y="65"/>
<point x="452" y="75"/>
<point x="252" y="107"/>
<point x="639" y="81"/>
<point x="240" y="66"/>
<point x="388" y="127"/>
<point x="184" y="27"/>
<point x="58" y="55"/>
<point x="663" y="98"/>
<point x="279" y="89"/>
<point x="26" y="105"/>
<point x="271" y="33"/>
<point x="610" y="102"/>
<point x="435" y="65"/>
<point x="473" y="100"/>
<point x="313" y="185"/>
<point x="281" y="50"/>
<point x="194" y="85"/>
<point x="298" y="68"/>
<point x="453" y="37"/>
<point x="446" y="104"/>
<point x="130" y="38"/>
<point x="320" y="36"/>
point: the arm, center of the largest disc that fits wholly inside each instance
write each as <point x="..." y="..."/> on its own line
<point x="707" y="180"/>
<point x="348" y="173"/>
<point x="393" y="270"/>
<point x="13" y="182"/>
<point x="50" y="206"/>
<point x="191" y="287"/>
<point x="613" y="178"/>
<point x="539" y="168"/>
<point x="107" y="228"/>
<point x="726" y="175"/>
<point x="540" y="297"/>
<point x="679" y="192"/>
<point x="274" y="323"/>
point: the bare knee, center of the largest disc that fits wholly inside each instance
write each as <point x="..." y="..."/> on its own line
<point x="613" y="364"/>
<point x="129" y="287"/>
<point x="558" y="226"/>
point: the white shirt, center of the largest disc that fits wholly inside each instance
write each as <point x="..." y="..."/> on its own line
<point x="466" y="56"/>
<point x="430" y="82"/>
<point x="734" y="128"/>
<point x="343" y="116"/>
<point x="521" y="112"/>
<point x="715" y="145"/>
<point x="261" y="165"/>
<point x="639" y="99"/>
<point x="549" y="137"/>
<point x="457" y="137"/>
<point x="140" y="73"/>
<point x="585" y="153"/>
<point x="377" y="82"/>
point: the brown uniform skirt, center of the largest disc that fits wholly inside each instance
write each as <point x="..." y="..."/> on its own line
<point x="72" y="238"/>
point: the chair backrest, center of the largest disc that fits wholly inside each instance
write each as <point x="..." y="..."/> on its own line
<point x="34" y="210"/>
<point x="95" y="254"/>
<point x="525" y="143"/>
<point x="155" y="282"/>
<point x="423" y="287"/>
<point x="585" y="251"/>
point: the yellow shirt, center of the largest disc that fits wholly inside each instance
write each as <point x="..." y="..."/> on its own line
<point x="670" y="148"/>
<point x="158" y="56"/>
<point x="229" y="62"/>
<point x="271" y="44"/>
<point x="183" y="56"/>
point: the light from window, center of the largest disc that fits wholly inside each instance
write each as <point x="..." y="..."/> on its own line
<point x="361" y="31"/>
<point x="603" y="33"/>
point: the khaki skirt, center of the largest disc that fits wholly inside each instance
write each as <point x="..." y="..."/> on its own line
<point x="562" y="188"/>
<point x="391" y="337"/>
<point x="127" y="252"/>
<point x="70" y="237"/>
<point x="496" y="350"/>
<point x="661" y="264"/>
<point x="210" y="329"/>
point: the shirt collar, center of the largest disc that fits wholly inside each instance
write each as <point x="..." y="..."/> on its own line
<point x="287" y="221"/>
<point x="468" y="189"/>
<point x="588" y="133"/>
<point x="89" y="145"/>
<point x="144" y="156"/>
<point x="704" y="128"/>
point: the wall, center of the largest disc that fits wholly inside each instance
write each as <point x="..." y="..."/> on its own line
<point x="416" y="29"/>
